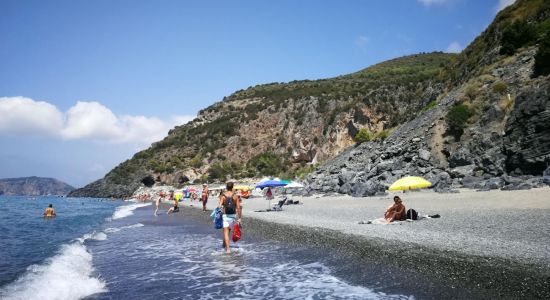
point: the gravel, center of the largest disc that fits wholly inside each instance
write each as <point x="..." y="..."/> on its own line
<point x="495" y="241"/>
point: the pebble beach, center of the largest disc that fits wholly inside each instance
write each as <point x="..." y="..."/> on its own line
<point x="495" y="241"/>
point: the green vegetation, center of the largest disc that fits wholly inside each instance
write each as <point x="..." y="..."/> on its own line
<point x="457" y="119"/>
<point x="523" y="24"/>
<point x="429" y="106"/>
<point x="363" y="136"/>
<point x="500" y="87"/>
<point x="516" y="35"/>
<point x="267" y="164"/>
<point x="542" y="58"/>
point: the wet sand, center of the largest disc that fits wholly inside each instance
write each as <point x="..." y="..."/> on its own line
<point x="494" y="242"/>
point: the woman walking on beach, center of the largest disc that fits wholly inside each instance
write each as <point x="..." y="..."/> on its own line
<point x="230" y="204"/>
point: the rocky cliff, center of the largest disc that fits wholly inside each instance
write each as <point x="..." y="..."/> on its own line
<point x="33" y="186"/>
<point x="470" y="119"/>
<point x="490" y="131"/>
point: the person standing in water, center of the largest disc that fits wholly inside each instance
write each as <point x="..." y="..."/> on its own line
<point x="230" y="204"/>
<point x="49" y="212"/>
<point x="157" y="203"/>
<point x="204" y="196"/>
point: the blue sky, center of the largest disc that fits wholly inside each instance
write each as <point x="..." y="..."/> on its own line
<point x="86" y="84"/>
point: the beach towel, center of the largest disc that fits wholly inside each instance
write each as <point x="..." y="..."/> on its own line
<point x="382" y="221"/>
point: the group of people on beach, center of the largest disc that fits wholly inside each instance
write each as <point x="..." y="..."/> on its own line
<point x="176" y="197"/>
<point x="229" y="202"/>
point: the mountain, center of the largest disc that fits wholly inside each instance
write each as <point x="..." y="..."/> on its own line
<point x="33" y="186"/>
<point x="482" y="113"/>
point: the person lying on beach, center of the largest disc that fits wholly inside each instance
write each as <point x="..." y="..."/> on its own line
<point x="230" y="203"/>
<point x="396" y="211"/>
<point x="49" y="212"/>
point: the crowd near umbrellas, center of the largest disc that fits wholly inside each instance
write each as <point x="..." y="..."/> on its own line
<point x="409" y="183"/>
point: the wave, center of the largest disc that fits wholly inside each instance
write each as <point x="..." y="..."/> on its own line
<point x="116" y="229"/>
<point x="67" y="275"/>
<point x="127" y="210"/>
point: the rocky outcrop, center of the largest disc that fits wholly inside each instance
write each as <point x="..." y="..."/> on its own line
<point x="33" y="186"/>
<point x="501" y="140"/>
<point x="527" y="140"/>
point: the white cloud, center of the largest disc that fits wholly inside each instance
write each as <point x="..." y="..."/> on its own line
<point x="454" y="47"/>
<point x="362" y="42"/>
<point x="83" y="121"/>
<point x="503" y="3"/>
<point x="24" y="116"/>
<point x="433" y="2"/>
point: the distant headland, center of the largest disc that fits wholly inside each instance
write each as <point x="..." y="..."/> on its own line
<point x="33" y="186"/>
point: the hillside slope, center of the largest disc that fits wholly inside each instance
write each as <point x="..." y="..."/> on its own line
<point x="473" y="114"/>
<point x="492" y="130"/>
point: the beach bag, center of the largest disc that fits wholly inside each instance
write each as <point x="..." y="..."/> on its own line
<point x="214" y="212"/>
<point x="229" y="205"/>
<point x="412" y="214"/>
<point x="218" y="221"/>
<point x="236" y="232"/>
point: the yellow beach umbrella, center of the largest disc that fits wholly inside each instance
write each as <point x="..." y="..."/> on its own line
<point x="242" y="187"/>
<point x="410" y="183"/>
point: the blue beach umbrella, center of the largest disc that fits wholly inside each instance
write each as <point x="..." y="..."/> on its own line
<point x="270" y="183"/>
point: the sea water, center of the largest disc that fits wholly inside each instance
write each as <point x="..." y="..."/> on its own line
<point x="104" y="249"/>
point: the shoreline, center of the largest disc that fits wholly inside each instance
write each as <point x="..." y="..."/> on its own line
<point x="494" y="266"/>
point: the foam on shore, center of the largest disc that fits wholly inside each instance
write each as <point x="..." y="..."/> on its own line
<point x="127" y="210"/>
<point x="67" y="275"/>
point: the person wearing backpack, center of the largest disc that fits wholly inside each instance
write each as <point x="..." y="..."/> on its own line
<point x="230" y="203"/>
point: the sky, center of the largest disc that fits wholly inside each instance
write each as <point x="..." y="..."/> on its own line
<point x="84" y="85"/>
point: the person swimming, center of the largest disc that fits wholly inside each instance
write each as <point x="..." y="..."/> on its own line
<point x="49" y="212"/>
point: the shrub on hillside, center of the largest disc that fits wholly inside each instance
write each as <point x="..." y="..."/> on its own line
<point x="542" y="58"/>
<point x="363" y="136"/>
<point x="500" y="87"/>
<point x="457" y="119"/>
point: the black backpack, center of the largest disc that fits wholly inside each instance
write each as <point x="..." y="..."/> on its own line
<point x="412" y="214"/>
<point x="229" y="206"/>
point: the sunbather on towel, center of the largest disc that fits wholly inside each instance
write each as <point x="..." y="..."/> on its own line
<point x="396" y="211"/>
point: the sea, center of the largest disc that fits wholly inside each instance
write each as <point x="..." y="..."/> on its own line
<point x="114" y="249"/>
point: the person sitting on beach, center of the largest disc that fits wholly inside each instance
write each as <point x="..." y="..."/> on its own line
<point x="175" y="208"/>
<point x="396" y="211"/>
<point x="49" y="212"/>
<point x="230" y="203"/>
<point x="204" y="196"/>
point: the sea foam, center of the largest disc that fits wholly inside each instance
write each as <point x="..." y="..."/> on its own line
<point x="127" y="210"/>
<point x="67" y="275"/>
